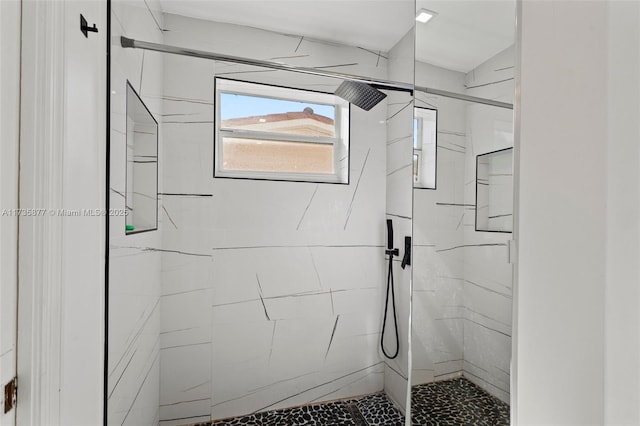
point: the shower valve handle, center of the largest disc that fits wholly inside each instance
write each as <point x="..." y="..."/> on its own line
<point x="406" y="260"/>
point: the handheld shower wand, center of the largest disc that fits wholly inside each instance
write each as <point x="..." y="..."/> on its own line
<point x="391" y="252"/>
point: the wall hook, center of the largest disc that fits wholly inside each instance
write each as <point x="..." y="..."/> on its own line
<point x="85" y="28"/>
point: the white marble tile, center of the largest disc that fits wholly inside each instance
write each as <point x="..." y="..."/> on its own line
<point x="395" y="386"/>
<point x="145" y="403"/>
<point x="300" y="306"/>
<point x="185" y="375"/>
<point x="250" y="311"/>
<point x="296" y="390"/>
<point x="186" y="318"/>
<point x="135" y="265"/>
<point x="487" y="355"/>
<point x="358" y="301"/>
<point x="134" y="387"/>
<point x="366" y="268"/>
<point x="185" y="272"/>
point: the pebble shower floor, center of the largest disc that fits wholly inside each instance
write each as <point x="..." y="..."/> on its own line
<point x="452" y="402"/>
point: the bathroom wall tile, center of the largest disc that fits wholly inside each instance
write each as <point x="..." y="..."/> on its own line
<point x="134" y="260"/>
<point x="185" y="271"/>
<point x="487" y="358"/>
<point x="133" y="380"/>
<point x="358" y="301"/>
<point x="365" y="270"/>
<point x="180" y="212"/>
<point x="490" y="305"/>
<point x="488" y="275"/>
<point x="354" y="342"/>
<point x="494" y="79"/>
<point x="180" y="326"/>
<point x="186" y="381"/>
<point x="145" y="403"/>
<point x="228" y="313"/>
<point x="395" y="387"/>
<point x="309" y="387"/>
<point x="292" y="307"/>
<point x="311" y="349"/>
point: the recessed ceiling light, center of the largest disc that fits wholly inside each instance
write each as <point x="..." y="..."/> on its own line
<point x="425" y="15"/>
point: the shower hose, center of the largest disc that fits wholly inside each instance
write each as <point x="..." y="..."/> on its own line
<point x="386" y="308"/>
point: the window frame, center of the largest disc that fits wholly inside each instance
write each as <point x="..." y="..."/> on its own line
<point x="340" y="143"/>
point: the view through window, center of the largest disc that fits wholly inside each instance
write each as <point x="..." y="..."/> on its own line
<point x="269" y="132"/>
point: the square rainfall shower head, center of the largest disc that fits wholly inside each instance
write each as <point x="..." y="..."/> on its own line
<point x="359" y="94"/>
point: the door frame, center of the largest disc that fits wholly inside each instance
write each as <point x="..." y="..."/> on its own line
<point x="10" y="129"/>
<point x="61" y="258"/>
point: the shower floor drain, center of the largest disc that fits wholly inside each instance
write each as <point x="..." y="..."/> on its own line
<point x="357" y="416"/>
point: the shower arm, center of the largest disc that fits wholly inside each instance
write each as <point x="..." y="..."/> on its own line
<point x="378" y="84"/>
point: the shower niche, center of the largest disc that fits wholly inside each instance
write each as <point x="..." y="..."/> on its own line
<point x="141" y="196"/>
<point x="494" y="191"/>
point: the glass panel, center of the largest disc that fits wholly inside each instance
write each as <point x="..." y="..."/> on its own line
<point x="275" y="156"/>
<point x="462" y="282"/>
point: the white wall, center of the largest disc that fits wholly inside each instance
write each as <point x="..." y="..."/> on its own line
<point x="135" y="259"/>
<point x="9" y="132"/>
<point x="271" y="291"/>
<point x="622" y="295"/>
<point x="562" y="232"/>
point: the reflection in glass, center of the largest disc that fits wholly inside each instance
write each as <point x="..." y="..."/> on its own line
<point x="424" y="148"/>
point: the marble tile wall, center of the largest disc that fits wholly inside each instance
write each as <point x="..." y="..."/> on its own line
<point x="399" y="178"/>
<point x="438" y="270"/>
<point x="487" y="288"/>
<point x="271" y="291"/>
<point x="134" y="260"/>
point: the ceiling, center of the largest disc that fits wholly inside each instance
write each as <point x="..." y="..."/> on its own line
<point x="372" y="24"/>
<point x="464" y="34"/>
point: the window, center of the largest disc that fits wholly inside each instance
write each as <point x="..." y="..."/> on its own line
<point x="277" y="133"/>
<point x="424" y="148"/>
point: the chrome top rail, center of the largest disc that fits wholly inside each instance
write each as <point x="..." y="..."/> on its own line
<point x="378" y="84"/>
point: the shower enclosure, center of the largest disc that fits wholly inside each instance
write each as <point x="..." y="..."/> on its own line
<point x="255" y="280"/>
